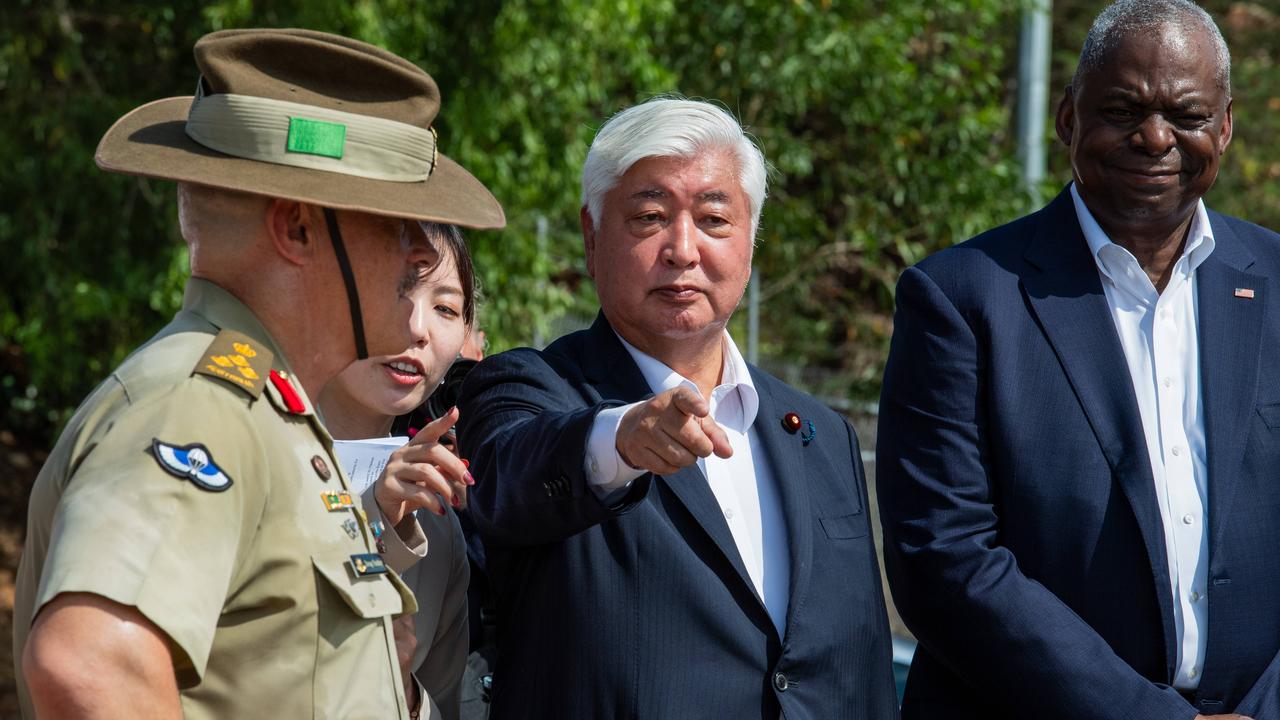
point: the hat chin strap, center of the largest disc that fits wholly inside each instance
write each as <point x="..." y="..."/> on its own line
<point x="348" y="279"/>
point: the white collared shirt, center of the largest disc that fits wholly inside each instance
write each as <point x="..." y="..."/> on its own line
<point x="1160" y="337"/>
<point x="745" y="489"/>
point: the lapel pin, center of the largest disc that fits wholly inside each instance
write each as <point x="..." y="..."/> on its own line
<point x="1246" y="293"/>
<point x="810" y="432"/>
<point x="791" y="422"/>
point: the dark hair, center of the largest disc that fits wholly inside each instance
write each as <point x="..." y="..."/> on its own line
<point x="448" y="239"/>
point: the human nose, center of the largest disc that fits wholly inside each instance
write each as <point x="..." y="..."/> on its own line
<point x="419" y="326"/>
<point x="682" y="245"/>
<point x="1154" y="136"/>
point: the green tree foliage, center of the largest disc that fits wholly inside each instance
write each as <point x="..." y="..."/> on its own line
<point x="886" y="123"/>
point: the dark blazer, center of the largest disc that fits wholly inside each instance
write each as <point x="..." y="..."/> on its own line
<point x="644" y="609"/>
<point x="1024" y="544"/>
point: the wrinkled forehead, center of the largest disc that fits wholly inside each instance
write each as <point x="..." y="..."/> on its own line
<point x="1180" y="53"/>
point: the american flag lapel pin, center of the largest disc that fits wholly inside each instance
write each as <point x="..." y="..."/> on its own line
<point x="1246" y="293"/>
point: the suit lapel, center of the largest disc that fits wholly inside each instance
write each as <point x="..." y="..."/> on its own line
<point x="1065" y="293"/>
<point x="784" y="455"/>
<point x="609" y="367"/>
<point x="615" y="376"/>
<point x="1230" y="333"/>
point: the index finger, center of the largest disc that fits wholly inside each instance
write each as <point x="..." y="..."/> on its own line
<point x="434" y="430"/>
<point x="689" y="402"/>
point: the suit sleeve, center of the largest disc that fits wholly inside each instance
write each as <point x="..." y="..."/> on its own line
<point x="957" y="588"/>
<point x="1263" y="699"/>
<point x="525" y="430"/>
<point x="440" y="673"/>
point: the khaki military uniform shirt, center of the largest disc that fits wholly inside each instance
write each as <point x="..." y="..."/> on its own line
<point x="193" y="488"/>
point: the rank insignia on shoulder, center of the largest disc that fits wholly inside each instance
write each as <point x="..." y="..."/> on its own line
<point x="337" y="500"/>
<point x="368" y="564"/>
<point x="191" y="462"/>
<point x="238" y="360"/>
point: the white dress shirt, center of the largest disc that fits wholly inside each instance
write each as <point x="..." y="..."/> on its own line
<point x="745" y="489"/>
<point x="1159" y="334"/>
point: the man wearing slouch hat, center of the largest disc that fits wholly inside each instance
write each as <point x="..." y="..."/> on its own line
<point x="193" y="549"/>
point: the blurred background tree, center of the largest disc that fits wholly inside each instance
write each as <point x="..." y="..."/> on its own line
<point x="887" y="125"/>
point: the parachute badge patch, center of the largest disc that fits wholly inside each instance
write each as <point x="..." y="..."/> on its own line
<point x="191" y="462"/>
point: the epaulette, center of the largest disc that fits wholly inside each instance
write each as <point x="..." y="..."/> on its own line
<point x="238" y="360"/>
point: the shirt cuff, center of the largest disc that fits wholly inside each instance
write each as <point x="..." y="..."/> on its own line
<point x="406" y="543"/>
<point x="603" y="466"/>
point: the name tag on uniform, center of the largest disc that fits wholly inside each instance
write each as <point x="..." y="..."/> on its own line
<point x="337" y="500"/>
<point x="368" y="564"/>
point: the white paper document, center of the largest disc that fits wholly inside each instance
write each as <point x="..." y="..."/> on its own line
<point x="363" y="460"/>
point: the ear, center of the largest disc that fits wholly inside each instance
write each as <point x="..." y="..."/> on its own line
<point x="292" y="233"/>
<point x="588" y="240"/>
<point x="1065" y="122"/>
<point x="1224" y="135"/>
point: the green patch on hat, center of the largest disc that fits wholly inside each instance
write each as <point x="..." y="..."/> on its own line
<point x="315" y="137"/>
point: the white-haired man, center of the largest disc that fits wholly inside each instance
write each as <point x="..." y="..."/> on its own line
<point x="671" y="532"/>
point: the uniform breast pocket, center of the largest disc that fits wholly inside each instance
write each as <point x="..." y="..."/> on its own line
<point x="368" y="597"/>
<point x="844" y="526"/>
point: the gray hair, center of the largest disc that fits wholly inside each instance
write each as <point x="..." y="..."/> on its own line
<point x="669" y="127"/>
<point x="1126" y="17"/>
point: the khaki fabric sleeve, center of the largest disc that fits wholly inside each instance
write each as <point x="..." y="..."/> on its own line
<point x="441" y="671"/>
<point x="130" y="530"/>
<point x="406" y="543"/>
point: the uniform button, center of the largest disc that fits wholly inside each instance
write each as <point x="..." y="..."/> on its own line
<point x="1187" y="519"/>
<point x="728" y="513"/>
<point x="780" y="682"/>
<point x="1176" y="451"/>
<point x="1195" y="596"/>
<point x="1193" y="673"/>
<point x="1168" y="382"/>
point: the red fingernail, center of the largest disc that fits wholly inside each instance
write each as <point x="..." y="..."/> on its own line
<point x="470" y="480"/>
<point x="411" y="432"/>
<point x="455" y="501"/>
<point x="440" y="512"/>
<point x="466" y="463"/>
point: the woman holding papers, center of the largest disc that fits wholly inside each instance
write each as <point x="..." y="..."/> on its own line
<point x="361" y="404"/>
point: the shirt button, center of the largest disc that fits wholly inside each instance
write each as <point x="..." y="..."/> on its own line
<point x="1176" y="451"/>
<point x="1193" y="673"/>
<point x="1187" y="519"/>
<point x="595" y="467"/>
<point x="1168" y="382"/>
<point x="1195" y="596"/>
<point x="780" y="682"/>
<point x="728" y="513"/>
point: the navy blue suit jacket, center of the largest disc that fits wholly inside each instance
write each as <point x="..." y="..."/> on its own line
<point x="644" y="609"/>
<point x="1024" y="544"/>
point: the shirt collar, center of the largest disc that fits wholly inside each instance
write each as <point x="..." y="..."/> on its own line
<point x="735" y="375"/>
<point x="224" y="310"/>
<point x="1199" y="245"/>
